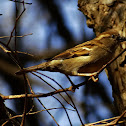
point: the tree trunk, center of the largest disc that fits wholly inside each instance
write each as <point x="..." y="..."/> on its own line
<point x="101" y="16"/>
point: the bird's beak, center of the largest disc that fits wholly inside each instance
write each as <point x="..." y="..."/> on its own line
<point x="121" y="39"/>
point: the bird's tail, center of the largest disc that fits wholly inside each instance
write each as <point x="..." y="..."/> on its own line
<point x="42" y="66"/>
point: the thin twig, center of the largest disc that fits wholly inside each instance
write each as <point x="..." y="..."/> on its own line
<point x="48" y="112"/>
<point x="70" y="89"/>
<point x="7" y="51"/>
<point x="67" y="89"/>
<point x="19" y="36"/>
<point x="25" y="102"/>
<point x="12" y="54"/>
<point x="64" y="109"/>
<point x="35" y="95"/>
<point x="31" y="113"/>
<point x="16" y="24"/>
<point x="51" y="85"/>
<point x="41" y="102"/>
<point x="114" y="121"/>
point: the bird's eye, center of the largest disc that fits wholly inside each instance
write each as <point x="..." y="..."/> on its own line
<point x="113" y="36"/>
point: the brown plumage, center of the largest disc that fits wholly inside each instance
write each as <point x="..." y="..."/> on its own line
<point x="84" y="59"/>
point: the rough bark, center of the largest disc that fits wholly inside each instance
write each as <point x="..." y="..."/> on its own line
<point x="101" y="16"/>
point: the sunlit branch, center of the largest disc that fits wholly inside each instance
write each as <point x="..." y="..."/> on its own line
<point x="35" y="95"/>
<point x="109" y="122"/>
<point x="16" y="36"/>
<point x="33" y="113"/>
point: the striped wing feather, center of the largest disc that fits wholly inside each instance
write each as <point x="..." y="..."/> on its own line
<point x="79" y="50"/>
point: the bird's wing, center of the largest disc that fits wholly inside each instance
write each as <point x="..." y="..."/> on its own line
<point x="83" y="49"/>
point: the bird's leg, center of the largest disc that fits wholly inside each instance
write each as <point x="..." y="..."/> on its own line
<point x="95" y="78"/>
<point x="94" y="75"/>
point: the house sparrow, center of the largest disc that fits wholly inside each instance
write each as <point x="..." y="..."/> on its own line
<point x="84" y="59"/>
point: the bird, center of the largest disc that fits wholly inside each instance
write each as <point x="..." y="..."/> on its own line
<point x="84" y="59"/>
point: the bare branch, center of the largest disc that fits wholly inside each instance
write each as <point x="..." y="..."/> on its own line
<point x="16" y="36"/>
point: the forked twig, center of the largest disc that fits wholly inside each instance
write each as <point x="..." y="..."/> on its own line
<point x="32" y="113"/>
<point x="114" y="121"/>
<point x="19" y="52"/>
<point x="51" y="85"/>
